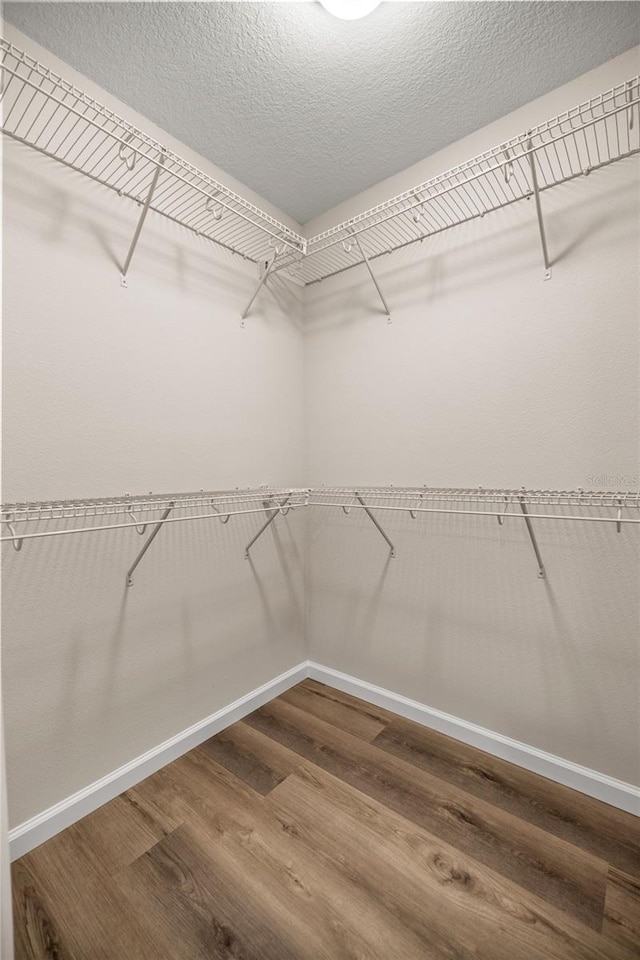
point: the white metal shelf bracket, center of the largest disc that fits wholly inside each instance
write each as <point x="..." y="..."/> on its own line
<point x="365" y="260"/>
<point x="375" y="523"/>
<point x="619" y="518"/>
<point x="536" y="193"/>
<point x="276" y="510"/>
<point x="143" y="214"/>
<point x="534" y="543"/>
<point x="154" y="533"/>
<point x="263" y="279"/>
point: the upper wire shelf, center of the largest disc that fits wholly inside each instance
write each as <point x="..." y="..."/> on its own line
<point x="46" y="112"/>
<point x="575" y="143"/>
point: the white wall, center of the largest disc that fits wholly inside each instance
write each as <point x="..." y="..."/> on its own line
<point x="488" y="376"/>
<point x="6" y="919"/>
<point x="106" y="391"/>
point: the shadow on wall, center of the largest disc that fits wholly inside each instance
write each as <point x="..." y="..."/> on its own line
<point x="485" y="252"/>
<point x="89" y="662"/>
<point x="166" y="252"/>
<point x="460" y="621"/>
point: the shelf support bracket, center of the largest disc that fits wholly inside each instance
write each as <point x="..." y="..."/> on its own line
<point x="154" y="533"/>
<point x="375" y="522"/>
<point x="276" y="511"/>
<point x="365" y="260"/>
<point x="536" y="193"/>
<point x="263" y="280"/>
<point x="143" y="216"/>
<point x="534" y="543"/>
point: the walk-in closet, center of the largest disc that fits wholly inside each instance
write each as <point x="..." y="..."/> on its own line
<point x="320" y="512"/>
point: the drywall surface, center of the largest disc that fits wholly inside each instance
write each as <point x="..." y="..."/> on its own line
<point x="489" y="376"/>
<point x="151" y="388"/>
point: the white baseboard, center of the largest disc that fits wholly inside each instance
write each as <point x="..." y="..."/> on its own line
<point x="33" y="832"/>
<point x="625" y="796"/>
<point x="45" y="825"/>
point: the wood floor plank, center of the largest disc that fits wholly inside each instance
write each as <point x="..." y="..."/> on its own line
<point x="460" y="907"/>
<point x="597" y="827"/>
<point x="250" y="756"/>
<point x="35" y="932"/>
<point x="622" y="910"/>
<point x="157" y="817"/>
<point x="355" y="716"/>
<point x="84" y="911"/>
<point x="118" y="833"/>
<point x="201" y="909"/>
<point x="315" y="903"/>
<point x="552" y="868"/>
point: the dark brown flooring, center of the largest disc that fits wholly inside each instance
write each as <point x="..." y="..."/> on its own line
<point x="321" y="828"/>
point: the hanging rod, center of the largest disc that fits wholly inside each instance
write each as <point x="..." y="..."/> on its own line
<point x="477" y="513"/>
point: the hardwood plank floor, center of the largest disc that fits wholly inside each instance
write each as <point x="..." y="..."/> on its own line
<point x="556" y="870"/>
<point x="622" y="910"/>
<point x="252" y="757"/>
<point x="322" y="827"/>
<point x="604" y="831"/>
<point x="353" y="716"/>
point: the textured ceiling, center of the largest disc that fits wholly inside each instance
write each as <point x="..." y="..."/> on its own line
<point x="309" y="110"/>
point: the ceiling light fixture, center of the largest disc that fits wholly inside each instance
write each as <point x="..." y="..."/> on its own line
<point x="350" y="9"/>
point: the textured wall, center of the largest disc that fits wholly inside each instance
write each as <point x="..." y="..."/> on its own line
<point x="107" y="390"/>
<point x="488" y="376"/>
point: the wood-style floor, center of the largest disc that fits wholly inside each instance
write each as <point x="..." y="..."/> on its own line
<point x="321" y="828"/>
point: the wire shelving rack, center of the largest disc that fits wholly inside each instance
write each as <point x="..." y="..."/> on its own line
<point x="481" y="501"/>
<point x="145" y="514"/>
<point x="575" y="143"/>
<point x="51" y="115"/>
<point x="32" y="521"/>
<point x="608" y="507"/>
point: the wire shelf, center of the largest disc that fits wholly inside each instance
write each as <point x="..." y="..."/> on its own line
<point x="586" y="138"/>
<point x="232" y="502"/>
<point x="46" y="112"/>
<point x="153" y="512"/>
<point x="475" y="495"/>
<point x="482" y="502"/>
<point x="218" y="504"/>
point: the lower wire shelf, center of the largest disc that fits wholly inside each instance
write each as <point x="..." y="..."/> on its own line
<point x="148" y="514"/>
